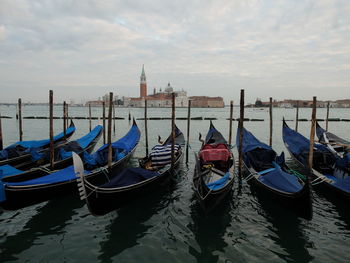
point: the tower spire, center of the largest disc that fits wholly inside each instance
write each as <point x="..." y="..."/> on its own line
<point x="143" y="83"/>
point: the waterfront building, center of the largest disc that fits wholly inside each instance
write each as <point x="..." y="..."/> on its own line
<point x="207" y="102"/>
<point x="162" y="98"/>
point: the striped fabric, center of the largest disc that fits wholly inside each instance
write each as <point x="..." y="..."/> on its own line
<point x="161" y="155"/>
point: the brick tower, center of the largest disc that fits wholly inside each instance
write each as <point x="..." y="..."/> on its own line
<point x="143" y="84"/>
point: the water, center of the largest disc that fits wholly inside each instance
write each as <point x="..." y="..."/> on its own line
<point x="168" y="225"/>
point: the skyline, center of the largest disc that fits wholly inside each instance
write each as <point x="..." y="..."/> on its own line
<point x="82" y="50"/>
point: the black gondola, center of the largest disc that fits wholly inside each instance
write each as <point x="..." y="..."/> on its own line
<point x="45" y="184"/>
<point x="338" y="146"/>
<point x="330" y="172"/>
<point x="131" y="183"/>
<point x="19" y="153"/>
<point x="214" y="172"/>
<point x="63" y="158"/>
<point x="269" y="175"/>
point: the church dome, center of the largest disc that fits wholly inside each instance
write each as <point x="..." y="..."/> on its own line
<point x="169" y="88"/>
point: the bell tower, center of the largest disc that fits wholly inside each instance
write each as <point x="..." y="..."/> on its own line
<point x="143" y="83"/>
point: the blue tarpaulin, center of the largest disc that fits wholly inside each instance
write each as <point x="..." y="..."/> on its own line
<point x="250" y="142"/>
<point x="35" y="144"/>
<point x="130" y="176"/>
<point x="88" y="138"/>
<point x="280" y="180"/>
<point x="120" y="148"/>
<point x="63" y="175"/>
<point x="219" y="183"/>
<point x="6" y="170"/>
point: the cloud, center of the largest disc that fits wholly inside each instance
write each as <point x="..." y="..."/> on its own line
<point x="269" y="48"/>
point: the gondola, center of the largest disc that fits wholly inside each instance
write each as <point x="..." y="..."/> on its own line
<point x="44" y="184"/>
<point x="62" y="157"/>
<point x="330" y="172"/>
<point x="131" y="183"/>
<point x="19" y="153"/>
<point x="338" y="146"/>
<point x="214" y="172"/>
<point x="270" y="176"/>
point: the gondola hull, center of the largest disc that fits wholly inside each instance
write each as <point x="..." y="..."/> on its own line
<point x="215" y="160"/>
<point x="210" y="199"/>
<point x="300" y="202"/>
<point x="101" y="201"/>
<point x="324" y="187"/>
<point x="320" y="184"/>
<point x="22" y="196"/>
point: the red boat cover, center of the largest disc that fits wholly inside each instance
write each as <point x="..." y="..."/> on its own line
<point x="214" y="152"/>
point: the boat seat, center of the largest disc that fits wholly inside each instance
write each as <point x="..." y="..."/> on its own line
<point x="214" y="152"/>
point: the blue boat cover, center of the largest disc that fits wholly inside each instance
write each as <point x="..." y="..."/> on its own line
<point x="296" y="142"/>
<point x="219" y="183"/>
<point x="41" y="143"/>
<point x="120" y="149"/>
<point x="298" y="145"/>
<point x="37" y="144"/>
<point x="6" y="170"/>
<point x="250" y="142"/>
<point x="280" y="180"/>
<point x="343" y="184"/>
<point x="130" y="176"/>
<point x="64" y="175"/>
<point x="88" y="138"/>
<point x="65" y="151"/>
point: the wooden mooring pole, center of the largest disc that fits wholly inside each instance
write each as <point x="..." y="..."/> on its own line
<point x="64" y="119"/>
<point x="104" y="122"/>
<point x="271" y="122"/>
<point x="173" y="133"/>
<point x="20" y="119"/>
<point x="89" y="117"/>
<point x="113" y="118"/>
<point x="1" y="142"/>
<point x="312" y="133"/>
<point x="146" y="128"/>
<point x="67" y="116"/>
<point x="297" y="117"/>
<point x="230" y="123"/>
<point x="52" y="156"/>
<point x="327" y="116"/>
<point x="241" y="119"/>
<point x="110" y="130"/>
<point x="188" y="129"/>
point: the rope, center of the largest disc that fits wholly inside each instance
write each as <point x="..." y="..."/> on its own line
<point x="250" y="176"/>
<point x="104" y="171"/>
<point x="297" y="174"/>
<point x="322" y="179"/>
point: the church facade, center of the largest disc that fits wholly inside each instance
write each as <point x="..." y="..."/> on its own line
<point x="163" y="98"/>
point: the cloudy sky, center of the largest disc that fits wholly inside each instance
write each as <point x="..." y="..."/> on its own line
<point x="83" y="49"/>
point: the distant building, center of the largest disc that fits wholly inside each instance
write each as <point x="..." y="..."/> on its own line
<point x="157" y="99"/>
<point x="163" y="98"/>
<point x="207" y="102"/>
<point x="94" y="103"/>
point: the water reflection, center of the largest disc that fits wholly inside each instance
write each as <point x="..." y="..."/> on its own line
<point x="209" y="230"/>
<point x="130" y="225"/>
<point x="339" y="205"/>
<point x="288" y="230"/>
<point x="50" y="219"/>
